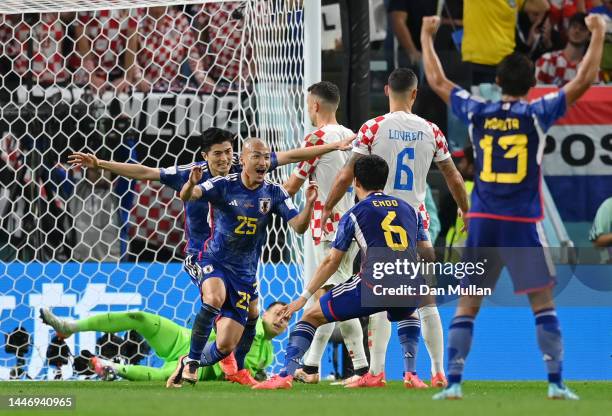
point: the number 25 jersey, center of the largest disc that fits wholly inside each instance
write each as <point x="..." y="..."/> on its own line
<point x="508" y="141"/>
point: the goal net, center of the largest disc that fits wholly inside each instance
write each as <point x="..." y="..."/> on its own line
<point x="138" y="85"/>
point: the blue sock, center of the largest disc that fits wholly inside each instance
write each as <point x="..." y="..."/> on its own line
<point x="299" y="342"/>
<point x="211" y="354"/>
<point x="408" y="332"/>
<point x="202" y="325"/>
<point x="459" y="344"/>
<point x="243" y="347"/>
<point x="550" y="342"/>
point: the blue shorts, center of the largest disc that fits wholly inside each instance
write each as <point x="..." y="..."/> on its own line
<point x="515" y="245"/>
<point x="343" y="302"/>
<point x="239" y="292"/>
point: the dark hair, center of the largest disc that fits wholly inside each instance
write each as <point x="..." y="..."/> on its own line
<point x="273" y="304"/>
<point x="516" y="74"/>
<point x="402" y="80"/>
<point x="578" y="19"/>
<point x="371" y="172"/>
<point x="214" y="135"/>
<point x="327" y="91"/>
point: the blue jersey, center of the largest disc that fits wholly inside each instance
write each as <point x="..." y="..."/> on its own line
<point x="197" y="225"/>
<point x="240" y="219"/>
<point x="508" y="141"/>
<point x="379" y="221"/>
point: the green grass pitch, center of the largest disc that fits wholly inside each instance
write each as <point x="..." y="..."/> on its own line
<point x="218" y="398"/>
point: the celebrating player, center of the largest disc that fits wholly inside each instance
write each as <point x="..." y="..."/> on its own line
<point x="323" y="99"/>
<point x="242" y="208"/>
<point x="378" y="222"/>
<point x="171" y="341"/>
<point x="408" y="143"/>
<point x="508" y="143"/>
<point x="219" y="160"/>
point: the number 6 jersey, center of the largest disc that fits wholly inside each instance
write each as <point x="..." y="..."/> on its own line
<point x="508" y="141"/>
<point x="408" y="143"/>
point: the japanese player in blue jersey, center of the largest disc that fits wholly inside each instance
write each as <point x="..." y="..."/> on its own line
<point x="377" y="222"/>
<point x="241" y="210"/>
<point x="508" y="141"/>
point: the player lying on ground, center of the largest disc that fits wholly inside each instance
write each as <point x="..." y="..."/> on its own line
<point x="219" y="160"/>
<point x="323" y="100"/>
<point x="378" y="222"/>
<point x="242" y="208"/>
<point x="171" y="341"/>
<point x="409" y="144"/>
<point x="508" y="140"/>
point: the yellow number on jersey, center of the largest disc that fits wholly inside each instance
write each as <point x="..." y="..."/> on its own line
<point x="245" y="300"/>
<point x="397" y="230"/>
<point x="517" y="144"/>
<point x="247" y="225"/>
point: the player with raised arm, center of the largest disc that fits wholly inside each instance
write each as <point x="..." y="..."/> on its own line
<point x="385" y="228"/>
<point x="508" y="141"/>
<point x="408" y="143"/>
<point x="323" y="99"/>
<point x="241" y="210"/>
<point x="219" y="160"/>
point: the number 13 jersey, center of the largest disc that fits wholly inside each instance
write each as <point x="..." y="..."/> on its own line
<point x="508" y="140"/>
<point x="408" y="143"/>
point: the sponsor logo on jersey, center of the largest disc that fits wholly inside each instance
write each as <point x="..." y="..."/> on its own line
<point x="234" y="203"/>
<point x="264" y="205"/>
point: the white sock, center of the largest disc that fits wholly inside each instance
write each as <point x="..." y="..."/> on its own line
<point x="317" y="347"/>
<point x="352" y="334"/>
<point x="431" y="329"/>
<point x="379" y="333"/>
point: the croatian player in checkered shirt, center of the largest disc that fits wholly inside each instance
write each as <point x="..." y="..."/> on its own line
<point x="508" y="138"/>
<point x="408" y="143"/>
<point x="323" y="99"/>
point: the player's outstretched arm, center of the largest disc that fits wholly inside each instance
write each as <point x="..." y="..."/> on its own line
<point x="589" y="67"/>
<point x="326" y="269"/>
<point x="127" y="170"/>
<point x="433" y="68"/>
<point x="307" y="153"/>
<point x="301" y="221"/>
<point x="293" y="184"/>
<point x="456" y="186"/>
<point x="190" y="191"/>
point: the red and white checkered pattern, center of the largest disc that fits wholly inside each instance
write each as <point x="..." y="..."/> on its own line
<point x="157" y="217"/>
<point x="554" y="68"/>
<point x="223" y="35"/>
<point x="107" y="32"/>
<point x="316" y="226"/>
<point x="164" y="44"/>
<point x="424" y="216"/>
<point x="47" y="64"/>
<point x="306" y="168"/>
<point x="389" y="136"/>
<point x="323" y="170"/>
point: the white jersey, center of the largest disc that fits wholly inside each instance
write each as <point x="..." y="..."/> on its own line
<point x="323" y="170"/>
<point x="408" y="143"/>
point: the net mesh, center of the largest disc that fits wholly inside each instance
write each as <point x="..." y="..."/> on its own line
<point x="134" y="85"/>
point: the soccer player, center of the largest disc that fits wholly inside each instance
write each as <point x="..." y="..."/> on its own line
<point x="169" y="341"/>
<point x="408" y="143"/>
<point x="379" y="223"/>
<point x="323" y="99"/>
<point x="242" y="207"/>
<point x="508" y="141"/>
<point x="219" y="160"/>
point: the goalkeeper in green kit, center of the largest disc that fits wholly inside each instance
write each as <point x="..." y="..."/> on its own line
<point x="171" y="341"/>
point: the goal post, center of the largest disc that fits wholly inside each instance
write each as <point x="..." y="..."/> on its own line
<point x="136" y="82"/>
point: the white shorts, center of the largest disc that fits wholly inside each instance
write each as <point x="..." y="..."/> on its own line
<point x="345" y="270"/>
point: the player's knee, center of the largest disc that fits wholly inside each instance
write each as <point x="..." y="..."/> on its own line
<point x="213" y="299"/>
<point x="226" y="346"/>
